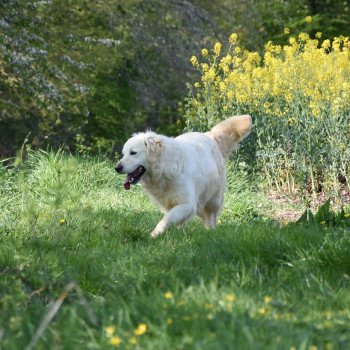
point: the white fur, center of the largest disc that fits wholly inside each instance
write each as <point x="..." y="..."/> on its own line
<point x="185" y="176"/>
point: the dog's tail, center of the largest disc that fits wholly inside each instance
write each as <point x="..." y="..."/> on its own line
<point x="230" y="132"/>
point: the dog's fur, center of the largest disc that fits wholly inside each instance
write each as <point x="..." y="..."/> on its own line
<point x="186" y="175"/>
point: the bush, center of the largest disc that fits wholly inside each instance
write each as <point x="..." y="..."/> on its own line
<point x="299" y="97"/>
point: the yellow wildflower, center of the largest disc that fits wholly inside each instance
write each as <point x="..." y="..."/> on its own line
<point x="110" y="330"/>
<point x="62" y="221"/>
<point x="217" y="48"/>
<point x="205" y="52"/>
<point x="267" y="299"/>
<point x="286" y="31"/>
<point x="133" y="340"/>
<point x="197" y="85"/>
<point x="116" y="341"/>
<point x="141" y="329"/>
<point x="194" y="61"/>
<point x="168" y="295"/>
<point x="169" y="321"/>
<point x="347" y="215"/>
<point x="308" y="19"/>
<point x="263" y="311"/>
<point x="230" y="297"/>
<point x="233" y="38"/>
<point x="318" y="35"/>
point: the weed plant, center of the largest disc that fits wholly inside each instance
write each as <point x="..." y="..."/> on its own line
<point x="299" y="97"/>
<point x="78" y="269"/>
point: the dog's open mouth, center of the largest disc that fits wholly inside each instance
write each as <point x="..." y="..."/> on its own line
<point x="134" y="177"/>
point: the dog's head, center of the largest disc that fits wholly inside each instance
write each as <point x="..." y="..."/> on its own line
<point x="140" y="153"/>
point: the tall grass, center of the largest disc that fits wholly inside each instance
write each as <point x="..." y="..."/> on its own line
<point x="299" y="96"/>
<point x="249" y="284"/>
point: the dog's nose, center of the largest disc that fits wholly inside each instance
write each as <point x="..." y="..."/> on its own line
<point x="118" y="168"/>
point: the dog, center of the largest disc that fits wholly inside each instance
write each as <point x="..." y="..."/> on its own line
<point x="186" y="175"/>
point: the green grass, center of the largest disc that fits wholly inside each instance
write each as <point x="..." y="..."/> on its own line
<point x="250" y="284"/>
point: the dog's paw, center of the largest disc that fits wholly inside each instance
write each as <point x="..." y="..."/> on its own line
<point x="155" y="233"/>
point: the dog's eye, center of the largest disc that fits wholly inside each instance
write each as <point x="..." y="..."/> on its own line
<point x="132" y="153"/>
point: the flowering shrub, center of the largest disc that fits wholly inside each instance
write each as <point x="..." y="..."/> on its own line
<point x="299" y="97"/>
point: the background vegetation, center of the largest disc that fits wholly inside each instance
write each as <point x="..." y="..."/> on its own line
<point x="90" y="73"/>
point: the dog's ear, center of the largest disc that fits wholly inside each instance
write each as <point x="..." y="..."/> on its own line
<point x="154" y="147"/>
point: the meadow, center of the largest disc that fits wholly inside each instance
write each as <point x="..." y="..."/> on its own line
<point x="78" y="269"/>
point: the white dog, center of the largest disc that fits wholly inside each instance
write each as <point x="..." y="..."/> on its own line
<point x="186" y="175"/>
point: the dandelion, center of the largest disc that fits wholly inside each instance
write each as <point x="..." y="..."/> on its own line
<point x="168" y="295"/>
<point x="308" y="19"/>
<point x="217" y="48"/>
<point x="62" y="221"/>
<point x="115" y="341"/>
<point x="141" y="329"/>
<point x="205" y="52"/>
<point x="110" y="330"/>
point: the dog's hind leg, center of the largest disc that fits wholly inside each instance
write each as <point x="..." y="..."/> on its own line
<point x="211" y="212"/>
<point x="177" y="215"/>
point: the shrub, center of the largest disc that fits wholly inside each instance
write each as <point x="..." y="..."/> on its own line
<point x="299" y="97"/>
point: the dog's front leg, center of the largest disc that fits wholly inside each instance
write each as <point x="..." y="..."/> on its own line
<point x="176" y="215"/>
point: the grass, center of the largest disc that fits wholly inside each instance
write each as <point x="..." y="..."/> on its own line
<point x="250" y="284"/>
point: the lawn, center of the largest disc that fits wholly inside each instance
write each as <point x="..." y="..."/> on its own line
<point x="78" y="269"/>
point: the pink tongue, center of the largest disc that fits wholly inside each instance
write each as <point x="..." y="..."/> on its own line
<point x="127" y="185"/>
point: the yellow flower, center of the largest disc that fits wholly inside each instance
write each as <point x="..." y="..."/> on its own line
<point x="308" y="19"/>
<point x="62" y="221"/>
<point x="286" y="31"/>
<point x="194" y="61"/>
<point x="233" y="38"/>
<point x="318" y="35"/>
<point x="110" y="330"/>
<point x="205" y="52"/>
<point x="141" y="329"/>
<point x="197" y="85"/>
<point x="323" y="222"/>
<point x="168" y="295"/>
<point x="169" y="321"/>
<point x="267" y="299"/>
<point x="133" y="340"/>
<point x="263" y="311"/>
<point x="217" y="48"/>
<point x="116" y="341"/>
<point x="347" y="215"/>
<point x="230" y="297"/>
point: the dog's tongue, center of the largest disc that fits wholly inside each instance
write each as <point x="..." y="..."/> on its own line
<point x="127" y="184"/>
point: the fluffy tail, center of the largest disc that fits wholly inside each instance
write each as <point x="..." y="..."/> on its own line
<point x="230" y="132"/>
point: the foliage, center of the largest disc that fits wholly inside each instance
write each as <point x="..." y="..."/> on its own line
<point x="250" y="284"/>
<point x="76" y="71"/>
<point x="299" y="96"/>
